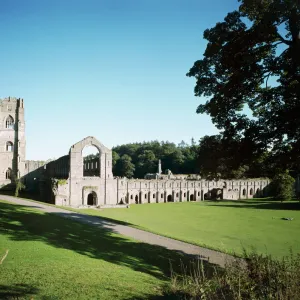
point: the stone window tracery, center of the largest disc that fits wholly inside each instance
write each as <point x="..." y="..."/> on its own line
<point x="9" y="122"/>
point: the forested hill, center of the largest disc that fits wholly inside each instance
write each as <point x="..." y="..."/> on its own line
<point x="137" y="159"/>
<point x="212" y="158"/>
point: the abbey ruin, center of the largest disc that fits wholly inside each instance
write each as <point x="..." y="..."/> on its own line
<point x="69" y="181"/>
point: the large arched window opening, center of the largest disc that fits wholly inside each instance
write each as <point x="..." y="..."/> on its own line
<point x="9" y="147"/>
<point x="9" y="123"/>
<point x="91" y="161"/>
<point x="8" y="173"/>
<point x="244" y="192"/>
<point x="251" y="192"/>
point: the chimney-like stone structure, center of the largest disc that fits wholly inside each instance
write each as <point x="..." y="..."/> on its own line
<point x="159" y="167"/>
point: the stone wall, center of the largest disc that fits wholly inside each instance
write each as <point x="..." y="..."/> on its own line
<point x="12" y="140"/>
<point x="156" y="191"/>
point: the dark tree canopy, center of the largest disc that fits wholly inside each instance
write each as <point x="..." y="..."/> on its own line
<point x="144" y="158"/>
<point x="252" y="61"/>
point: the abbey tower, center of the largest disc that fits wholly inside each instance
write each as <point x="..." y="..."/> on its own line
<point x="12" y="140"/>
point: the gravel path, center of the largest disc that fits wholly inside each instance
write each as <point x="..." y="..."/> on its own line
<point x="214" y="257"/>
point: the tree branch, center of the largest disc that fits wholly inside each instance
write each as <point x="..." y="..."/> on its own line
<point x="287" y="42"/>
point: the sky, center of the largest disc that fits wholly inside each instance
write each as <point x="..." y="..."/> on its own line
<point x="112" y="69"/>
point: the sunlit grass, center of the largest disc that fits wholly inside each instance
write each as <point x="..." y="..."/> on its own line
<point x="228" y="226"/>
<point x="51" y="257"/>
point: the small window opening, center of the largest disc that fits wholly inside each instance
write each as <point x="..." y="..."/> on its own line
<point x="9" y="147"/>
<point x="9" y="122"/>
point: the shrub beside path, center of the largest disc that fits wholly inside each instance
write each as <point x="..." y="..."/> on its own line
<point x="212" y="256"/>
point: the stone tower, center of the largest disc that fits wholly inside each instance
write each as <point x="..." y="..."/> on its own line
<point x="159" y="167"/>
<point x="12" y="140"/>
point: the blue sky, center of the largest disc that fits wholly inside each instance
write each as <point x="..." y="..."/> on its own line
<point x="110" y="69"/>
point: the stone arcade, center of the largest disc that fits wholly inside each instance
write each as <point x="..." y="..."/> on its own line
<point x="71" y="182"/>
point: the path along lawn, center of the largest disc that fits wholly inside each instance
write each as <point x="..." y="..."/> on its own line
<point x="228" y="226"/>
<point x="51" y="257"/>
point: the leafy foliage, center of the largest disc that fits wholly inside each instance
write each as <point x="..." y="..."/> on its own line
<point x="282" y="186"/>
<point x="125" y="166"/>
<point x="252" y="64"/>
<point x="258" y="277"/>
<point x="144" y="158"/>
<point x="224" y="158"/>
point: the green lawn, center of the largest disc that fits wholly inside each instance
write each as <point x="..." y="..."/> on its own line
<point x="228" y="226"/>
<point x="54" y="258"/>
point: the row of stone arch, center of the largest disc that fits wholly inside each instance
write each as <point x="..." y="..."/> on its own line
<point x="251" y="192"/>
<point x="138" y="198"/>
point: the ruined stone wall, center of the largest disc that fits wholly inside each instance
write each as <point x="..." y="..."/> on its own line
<point x="12" y="140"/>
<point x="155" y="191"/>
<point x="103" y="185"/>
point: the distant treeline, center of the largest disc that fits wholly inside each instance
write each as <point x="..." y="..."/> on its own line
<point x="212" y="158"/>
<point x="137" y="159"/>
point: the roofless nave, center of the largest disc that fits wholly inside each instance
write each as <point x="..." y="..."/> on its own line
<point x="68" y="181"/>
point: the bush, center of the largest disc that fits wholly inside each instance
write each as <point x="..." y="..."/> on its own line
<point x="255" y="277"/>
<point x="282" y="186"/>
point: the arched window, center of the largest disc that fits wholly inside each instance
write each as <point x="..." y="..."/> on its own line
<point x="9" y="146"/>
<point x="8" y="174"/>
<point x="9" y="122"/>
<point x="177" y="195"/>
<point x="251" y="191"/>
<point x="244" y="192"/>
<point x="153" y="196"/>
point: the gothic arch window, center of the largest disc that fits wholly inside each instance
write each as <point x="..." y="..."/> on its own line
<point x="251" y="192"/>
<point x="8" y="174"/>
<point x="244" y="192"/>
<point x="9" y="122"/>
<point x="9" y="146"/>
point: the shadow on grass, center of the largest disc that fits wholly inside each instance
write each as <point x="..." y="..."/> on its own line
<point x="95" y="242"/>
<point x="17" y="291"/>
<point x="259" y="204"/>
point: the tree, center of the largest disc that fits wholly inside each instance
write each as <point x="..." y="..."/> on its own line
<point x="282" y="186"/>
<point x="147" y="163"/>
<point x="252" y="62"/>
<point x="124" y="166"/>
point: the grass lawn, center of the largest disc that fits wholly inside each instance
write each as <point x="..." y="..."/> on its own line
<point x="51" y="257"/>
<point x="228" y="226"/>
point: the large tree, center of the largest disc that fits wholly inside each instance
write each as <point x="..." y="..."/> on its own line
<point x="124" y="166"/>
<point x="250" y="75"/>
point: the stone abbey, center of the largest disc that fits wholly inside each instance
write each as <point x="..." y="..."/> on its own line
<point x="70" y="181"/>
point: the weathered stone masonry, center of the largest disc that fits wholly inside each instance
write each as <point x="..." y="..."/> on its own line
<point x="75" y="186"/>
<point x="71" y="181"/>
<point x="12" y="140"/>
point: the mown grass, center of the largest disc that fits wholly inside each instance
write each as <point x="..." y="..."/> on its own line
<point x="51" y="257"/>
<point x="228" y="226"/>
